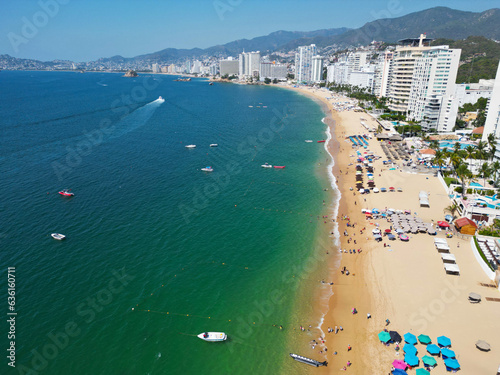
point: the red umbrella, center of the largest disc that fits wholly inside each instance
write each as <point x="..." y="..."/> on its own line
<point x="391" y="188"/>
<point x="387" y="231"/>
<point x="443" y="224"/>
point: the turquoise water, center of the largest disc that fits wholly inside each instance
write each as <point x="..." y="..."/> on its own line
<point x="450" y="145"/>
<point x="147" y="230"/>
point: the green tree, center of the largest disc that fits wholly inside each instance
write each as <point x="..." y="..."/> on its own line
<point x="484" y="172"/>
<point x="267" y="81"/>
<point x="463" y="174"/>
<point x="452" y="209"/>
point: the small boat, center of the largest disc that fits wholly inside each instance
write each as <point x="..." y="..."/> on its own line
<point x="308" y="361"/>
<point x="214" y="145"/>
<point x="250" y="106"/>
<point x="211" y="83"/>
<point x="279" y="166"/>
<point x="160" y="98"/>
<point x="66" y="193"/>
<point x="322" y="141"/>
<point x="308" y="141"/>
<point x="213" y="336"/>
<point x="207" y="169"/>
<point x="58" y="236"/>
<point x="190" y="146"/>
<point x="266" y="165"/>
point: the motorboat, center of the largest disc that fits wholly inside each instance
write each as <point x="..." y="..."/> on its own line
<point x="266" y="165"/>
<point x="214" y="145"/>
<point x="308" y="361"/>
<point x="211" y="84"/>
<point x="58" y="236"/>
<point x="190" y="146"/>
<point x="213" y="336"/>
<point x="279" y="166"/>
<point x="66" y="193"/>
<point x="308" y="141"/>
<point x="207" y="169"/>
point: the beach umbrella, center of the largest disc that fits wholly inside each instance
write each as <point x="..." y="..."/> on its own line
<point x="424" y="339"/>
<point x="384" y="336"/>
<point x="451" y="363"/>
<point x="399" y="364"/>
<point x="421" y="371"/>
<point x="387" y="231"/>
<point x="483" y="345"/>
<point x="448" y="218"/>
<point x="410" y="349"/>
<point x="396" y="337"/>
<point x="447" y="353"/>
<point x="433" y="349"/>
<point x="411" y="360"/>
<point x="399" y="372"/>
<point x="443" y="224"/>
<point x="429" y="361"/>
<point x="375" y="211"/>
<point x="443" y="341"/>
<point x="410" y="338"/>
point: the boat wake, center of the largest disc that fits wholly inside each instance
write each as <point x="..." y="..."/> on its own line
<point x="137" y="118"/>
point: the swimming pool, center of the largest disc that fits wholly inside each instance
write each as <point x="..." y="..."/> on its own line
<point x="450" y="145"/>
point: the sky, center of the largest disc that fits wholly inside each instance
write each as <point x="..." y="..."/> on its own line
<point x="85" y="30"/>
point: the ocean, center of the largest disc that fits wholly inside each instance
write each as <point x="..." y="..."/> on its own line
<point x="156" y="250"/>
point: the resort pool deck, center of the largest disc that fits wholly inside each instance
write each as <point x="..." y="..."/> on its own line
<point x="451" y="144"/>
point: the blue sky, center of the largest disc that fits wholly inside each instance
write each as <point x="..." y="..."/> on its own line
<point x="83" y="30"/>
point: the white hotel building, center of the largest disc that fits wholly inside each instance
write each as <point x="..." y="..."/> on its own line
<point x="304" y="63"/>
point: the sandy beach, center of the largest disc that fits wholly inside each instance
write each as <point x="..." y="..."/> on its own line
<point x="404" y="282"/>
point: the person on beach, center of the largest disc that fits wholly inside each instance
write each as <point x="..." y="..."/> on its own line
<point x="349" y="348"/>
<point x="387" y="322"/>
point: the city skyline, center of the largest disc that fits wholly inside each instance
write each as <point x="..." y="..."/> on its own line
<point x="67" y="30"/>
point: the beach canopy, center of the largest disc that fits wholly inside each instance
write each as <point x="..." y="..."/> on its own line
<point x="396" y="337"/>
<point x="483" y="345"/>
<point x="410" y="338"/>
<point x="424" y="339"/>
<point x="443" y="224"/>
<point x="443" y="341"/>
<point x="429" y="361"/>
<point x="399" y="364"/>
<point x="411" y="360"/>
<point x="451" y="363"/>
<point x="421" y="371"/>
<point x="410" y="349"/>
<point x="384" y="336"/>
<point x="447" y="353"/>
<point x="399" y="372"/>
<point x="433" y="349"/>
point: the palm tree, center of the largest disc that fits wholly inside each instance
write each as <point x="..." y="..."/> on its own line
<point x="493" y="149"/>
<point x="439" y="159"/>
<point x="463" y="174"/>
<point x="484" y="171"/>
<point x="495" y="167"/>
<point x="470" y="152"/>
<point x="491" y="140"/>
<point x="456" y="147"/>
<point x="452" y="209"/>
<point x="481" y="149"/>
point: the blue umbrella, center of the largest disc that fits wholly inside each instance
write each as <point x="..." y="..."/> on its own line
<point x="375" y="211"/>
<point x="410" y="349"/>
<point x="433" y="349"/>
<point x="410" y="338"/>
<point x="451" y="363"/>
<point x="399" y="372"/>
<point x="447" y="353"/>
<point x="443" y="341"/>
<point x="411" y="360"/>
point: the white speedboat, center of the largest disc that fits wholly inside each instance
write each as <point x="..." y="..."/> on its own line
<point x="58" y="236"/>
<point x="214" y="145"/>
<point x="190" y="146"/>
<point x="308" y="141"/>
<point x="213" y="336"/>
<point x="266" y="165"/>
<point x="207" y="169"/>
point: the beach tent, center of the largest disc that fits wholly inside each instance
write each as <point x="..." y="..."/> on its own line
<point x="451" y="363"/>
<point x="411" y="360"/>
<point x="447" y="353"/>
<point x="448" y="258"/>
<point x="440" y="240"/>
<point x="424" y="203"/>
<point x="421" y="371"/>
<point x="424" y="339"/>
<point x="410" y="338"/>
<point x="442" y="246"/>
<point x="451" y="269"/>
<point x="443" y="224"/>
<point x="429" y="361"/>
<point x="443" y="341"/>
<point x="410" y="349"/>
<point x="483" y="345"/>
<point x="384" y="336"/>
<point x="399" y="364"/>
<point x="433" y="349"/>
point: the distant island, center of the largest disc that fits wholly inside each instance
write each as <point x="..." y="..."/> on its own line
<point x="131" y="73"/>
